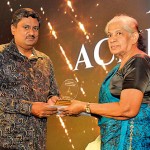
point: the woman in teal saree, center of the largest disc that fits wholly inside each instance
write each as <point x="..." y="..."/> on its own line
<point x="123" y="134"/>
<point x="123" y="110"/>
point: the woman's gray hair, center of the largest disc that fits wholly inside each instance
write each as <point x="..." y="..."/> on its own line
<point x="130" y="25"/>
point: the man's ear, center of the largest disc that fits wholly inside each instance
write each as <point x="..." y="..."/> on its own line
<point x="135" y="37"/>
<point x="13" y="29"/>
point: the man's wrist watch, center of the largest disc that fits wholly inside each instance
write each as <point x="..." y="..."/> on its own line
<point x="87" y="108"/>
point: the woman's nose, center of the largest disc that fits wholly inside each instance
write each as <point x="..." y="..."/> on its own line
<point x="112" y="38"/>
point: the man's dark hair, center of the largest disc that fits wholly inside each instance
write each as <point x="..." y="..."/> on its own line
<point x="24" y="13"/>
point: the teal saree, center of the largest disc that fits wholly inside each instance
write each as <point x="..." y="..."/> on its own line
<point x="127" y="134"/>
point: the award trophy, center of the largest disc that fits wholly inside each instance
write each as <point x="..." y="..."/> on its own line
<point x="68" y="92"/>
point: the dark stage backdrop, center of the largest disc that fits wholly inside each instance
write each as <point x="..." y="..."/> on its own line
<point x="72" y="34"/>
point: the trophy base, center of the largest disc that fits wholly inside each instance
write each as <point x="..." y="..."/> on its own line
<point x="63" y="102"/>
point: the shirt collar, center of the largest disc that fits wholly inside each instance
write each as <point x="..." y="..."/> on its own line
<point x="12" y="48"/>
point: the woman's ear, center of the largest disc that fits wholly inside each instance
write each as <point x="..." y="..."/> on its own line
<point x="135" y="37"/>
<point x="13" y="29"/>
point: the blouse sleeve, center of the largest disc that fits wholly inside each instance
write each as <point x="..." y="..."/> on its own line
<point x="137" y="74"/>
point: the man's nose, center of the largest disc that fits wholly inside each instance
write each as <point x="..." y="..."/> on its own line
<point x="31" y="31"/>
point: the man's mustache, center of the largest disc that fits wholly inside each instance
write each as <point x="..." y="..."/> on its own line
<point x="31" y="36"/>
